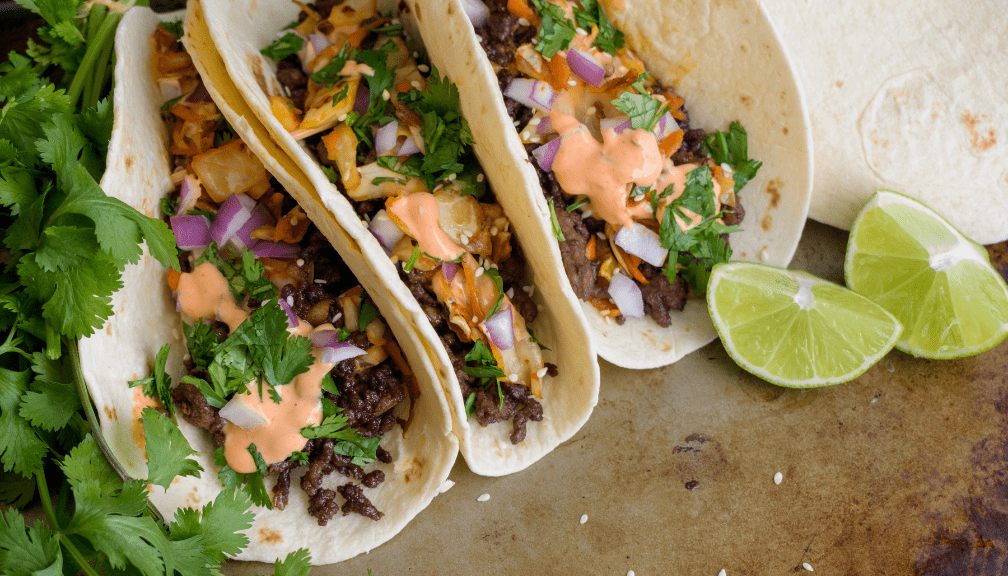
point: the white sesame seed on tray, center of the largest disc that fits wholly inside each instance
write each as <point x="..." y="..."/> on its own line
<point x="483" y="497"/>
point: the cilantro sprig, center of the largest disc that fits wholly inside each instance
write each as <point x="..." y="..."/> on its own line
<point x="590" y="14"/>
<point x="643" y="109"/>
<point x="732" y="148"/>
<point x="555" y="30"/>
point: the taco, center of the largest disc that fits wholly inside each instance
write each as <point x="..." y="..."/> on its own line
<point x="295" y="379"/>
<point x="599" y="104"/>
<point x="354" y="100"/>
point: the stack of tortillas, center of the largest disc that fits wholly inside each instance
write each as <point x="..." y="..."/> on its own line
<point x="909" y="96"/>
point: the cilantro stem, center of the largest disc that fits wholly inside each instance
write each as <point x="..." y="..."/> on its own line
<point x="77" y="556"/>
<point x="89" y="411"/>
<point x="50" y="514"/>
<point x="104" y="37"/>
<point x="53" y="340"/>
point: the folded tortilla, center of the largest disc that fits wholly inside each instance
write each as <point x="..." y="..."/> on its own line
<point x="145" y="318"/>
<point x="908" y="96"/>
<point x="727" y="61"/>
<point x="238" y="30"/>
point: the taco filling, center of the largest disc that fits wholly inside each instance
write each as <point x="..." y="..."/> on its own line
<point x="290" y="365"/>
<point x="387" y="130"/>
<point x="641" y="203"/>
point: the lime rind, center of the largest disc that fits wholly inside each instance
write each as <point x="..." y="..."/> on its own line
<point x="793" y="329"/>
<point x="965" y="298"/>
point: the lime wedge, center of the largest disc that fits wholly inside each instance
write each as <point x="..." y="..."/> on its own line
<point x="793" y="329"/>
<point x="936" y="281"/>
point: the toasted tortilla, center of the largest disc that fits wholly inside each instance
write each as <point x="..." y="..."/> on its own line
<point x="726" y="60"/>
<point x="145" y="319"/>
<point x="908" y="96"/>
<point x="239" y="29"/>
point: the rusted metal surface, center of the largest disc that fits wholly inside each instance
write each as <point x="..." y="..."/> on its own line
<point x="902" y="471"/>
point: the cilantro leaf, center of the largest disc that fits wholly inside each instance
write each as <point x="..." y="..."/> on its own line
<point x="21" y="450"/>
<point x="411" y="262"/>
<point x="732" y="148"/>
<point x="555" y="31"/>
<point x="330" y="73"/>
<point x="260" y="462"/>
<point x="557" y="232"/>
<point x="201" y="341"/>
<point x="297" y="563"/>
<point x="175" y="28"/>
<point x="247" y="278"/>
<point x="24" y="550"/>
<point x="590" y="13"/>
<point x="498" y="281"/>
<point x="368" y="313"/>
<point x="470" y="404"/>
<point x="168" y="450"/>
<point x="158" y="384"/>
<point x="643" y="109"/>
<point x="280" y="356"/>
<point x="289" y="43"/>
<point x="50" y="405"/>
<point x="251" y="484"/>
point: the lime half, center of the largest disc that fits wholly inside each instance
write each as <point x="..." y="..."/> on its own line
<point x="936" y="281"/>
<point x="793" y="329"/>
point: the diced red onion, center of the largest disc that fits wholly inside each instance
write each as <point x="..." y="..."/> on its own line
<point x="270" y="249"/>
<point x="617" y="124"/>
<point x="641" y="242"/>
<point x="191" y="231"/>
<point x="385" y="138"/>
<point x="408" y="147"/>
<point x="586" y="67"/>
<point x="385" y="230"/>
<point x="545" y="125"/>
<point x="319" y="42"/>
<point x="232" y="215"/>
<point x="292" y="319"/>
<point x="260" y="217"/>
<point x="335" y="355"/>
<point x="477" y="12"/>
<point x="627" y="296"/>
<point x="545" y="154"/>
<point x="242" y="415"/>
<point x="666" y="126"/>
<point x="500" y="329"/>
<point x="449" y="269"/>
<point x="363" y="97"/>
<point x="532" y="93"/>
<point x="190" y="193"/>
<point x="323" y="338"/>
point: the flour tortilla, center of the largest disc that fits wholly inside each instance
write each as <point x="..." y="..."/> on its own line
<point x="726" y="60"/>
<point x="908" y="96"/>
<point x="145" y="318"/>
<point x="239" y="30"/>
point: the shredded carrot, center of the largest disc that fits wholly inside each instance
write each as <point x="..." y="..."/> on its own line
<point x="403" y="86"/>
<point x="590" y="248"/>
<point x="292" y="227"/>
<point x="173" y="278"/>
<point x="559" y="72"/>
<point x="671" y="143"/>
<point x="275" y="204"/>
<point x="674" y="101"/>
<point x="521" y="9"/>
<point x="606" y="306"/>
<point x="678" y="114"/>
<point x="393" y="350"/>
<point x="469" y="265"/>
<point x="358" y="36"/>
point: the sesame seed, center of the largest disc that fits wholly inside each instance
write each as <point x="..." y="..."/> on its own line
<point x="319" y="281"/>
<point x="395" y="21"/>
<point x="452" y="177"/>
<point x="591" y="110"/>
<point x="722" y="573"/>
<point x="479" y="38"/>
<point x="586" y="213"/>
<point x="608" y="320"/>
<point x="341" y="117"/>
<point x="494" y="230"/>
<point x="300" y="262"/>
<point x="492" y="265"/>
<point x="581" y="31"/>
<point x="446" y="486"/>
<point x="479" y="177"/>
<point x="523" y="21"/>
<point x="483" y="497"/>
<point x="572" y="82"/>
<point x="294" y="221"/>
<point x="475" y="320"/>
<point x="600" y="235"/>
<point x="535" y="121"/>
<point x="187" y="356"/>
<point x="584" y="518"/>
<point x="526" y="134"/>
<point x="290" y="300"/>
<point x="540" y="373"/>
<point x="517" y="123"/>
<point x="531" y="291"/>
<point x="807" y="566"/>
<point x="337" y="316"/>
<point x="479" y="272"/>
<point x="423" y="68"/>
<point x="385" y="95"/>
<point x="630" y="573"/>
<point x="513" y="377"/>
<point x="415" y="84"/>
<point x="510" y="292"/>
<point x="778" y="478"/>
<point x="463" y="238"/>
<point x="416" y="54"/>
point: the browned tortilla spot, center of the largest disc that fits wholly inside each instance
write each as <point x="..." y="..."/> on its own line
<point x="257" y="72"/>
<point x="269" y="536"/>
<point x="110" y="412"/>
<point x="767" y="222"/>
<point x="773" y="188"/>
<point x="415" y="468"/>
<point x="980" y="141"/>
<point x="128" y="161"/>
<point x="746" y="101"/>
<point x="838" y="83"/>
<point x="785" y="130"/>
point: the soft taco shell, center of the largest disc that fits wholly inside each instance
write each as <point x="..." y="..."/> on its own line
<point x="239" y="30"/>
<point x="726" y="60"/>
<point x="145" y="319"/>
<point x="908" y="96"/>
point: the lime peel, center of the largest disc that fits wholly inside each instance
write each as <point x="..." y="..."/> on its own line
<point x="815" y="333"/>
<point x="952" y="302"/>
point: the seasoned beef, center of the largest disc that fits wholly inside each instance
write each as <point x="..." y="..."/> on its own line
<point x="322" y="505"/>
<point x="417" y="281"/>
<point x="357" y="502"/>
<point x="524" y="305"/>
<point x="373" y="478"/>
<point x="281" y="490"/>
<point x="190" y="403"/>
<point x="518" y="403"/>
<point x="660" y="296"/>
<point x="290" y="75"/>
<point x="581" y="271"/>
<point x="367" y="396"/>
<point x="735" y="215"/>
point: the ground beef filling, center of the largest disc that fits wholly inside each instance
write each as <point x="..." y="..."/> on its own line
<point x="367" y="396"/>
